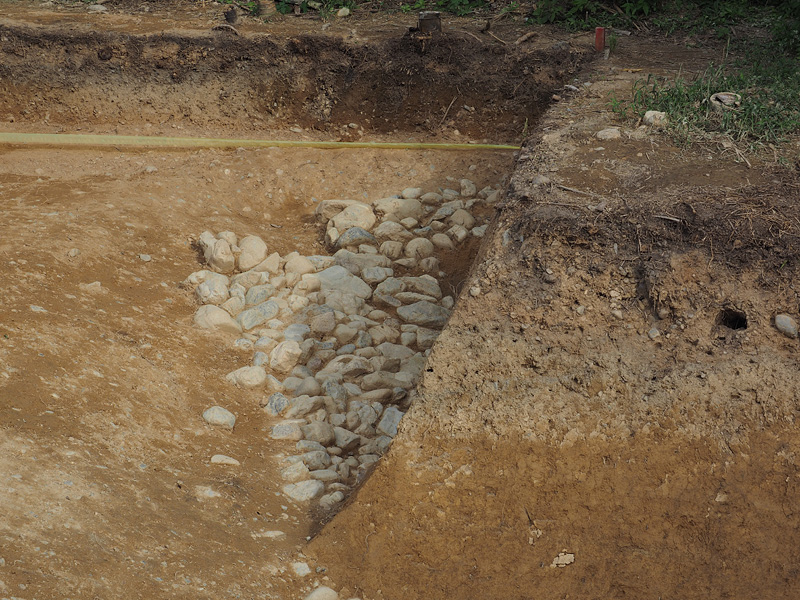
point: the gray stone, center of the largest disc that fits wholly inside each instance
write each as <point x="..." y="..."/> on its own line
<point x="426" y="337"/>
<point x="308" y="446"/>
<point x="288" y="430"/>
<point x="611" y="133"/>
<point x="295" y="472"/>
<point x="392" y="250"/>
<point x="391" y="231"/>
<point x="463" y="218"/>
<point x="323" y="323"/>
<point x="214" y="290"/>
<point x="296" y="332"/>
<point x="395" y="209"/>
<point x="345" y="439"/>
<point x="319" y="431"/>
<point x="218" y="416"/>
<point x="786" y="325"/>
<point x="304" y="491"/>
<point x="302" y="406"/>
<point x="217" y="253"/>
<point x="395" y="351"/>
<point x="419" y="248"/>
<point x="328" y="501"/>
<point x="389" y="421"/>
<point x="308" y="387"/>
<point x="327" y="209"/>
<point x="338" y="278"/>
<point x="353" y="237"/>
<point x="276" y="404"/>
<point x="258" y="294"/>
<point x="411" y="193"/>
<point x="316" y="459"/>
<point x="424" y="313"/>
<point x="356" y="263"/>
<point x="257" y="315"/>
<point x="300" y="265"/>
<point x="442" y="241"/>
<point x="411" y="297"/>
<point x="375" y="275"/>
<point x="382" y="380"/>
<point x="344" y="302"/>
<point x="468" y="189"/>
<point x="431" y="198"/>
<point x="425" y="284"/>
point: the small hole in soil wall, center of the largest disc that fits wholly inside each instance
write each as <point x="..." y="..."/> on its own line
<point x="732" y="319"/>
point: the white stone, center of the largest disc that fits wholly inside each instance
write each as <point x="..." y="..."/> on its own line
<point x="284" y="356"/>
<point x="271" y="264"/>
<point x="299" y="264"/>
<point x="222" y="417"/>
<point x="253" y="252"/>
<point x="396" y="209"/>
<point x="304" y="491"/>
<point x="468" y="189"/>
<point x="248" y="377"/>
<point x="327" y="209"/>
<point x="323" y="592"/>
<point x="340" y="279"/>
<point x="355" y="215"/>
<point x="213" y="317"/>
<point x="288" y="430"/>
<point x="655" y="118"/>
<point x="301" y="569"/>
<point x="295" y="472"/>
<point x="221" y="459"/>
<point x="213" y="290"/>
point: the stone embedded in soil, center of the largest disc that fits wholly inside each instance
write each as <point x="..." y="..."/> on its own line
<point x="323" y="592"/>
<point x="419" y="248"/>
<point x="424" y="313"/>
<point x="213" y="317"/>
<point x="610" y="133"/>
<point x="248" y="377"/>
<point x="304" y="491"/>
<point x="221" y="459"/>
<point x="786" y="325"/>
<point x="295" y="472"/>
<point x="220" y="417"/>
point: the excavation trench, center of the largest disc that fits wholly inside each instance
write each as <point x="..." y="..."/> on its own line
<point x="106" y="376"/>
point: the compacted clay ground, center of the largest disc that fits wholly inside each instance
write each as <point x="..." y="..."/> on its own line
<point x="597" y="420"/>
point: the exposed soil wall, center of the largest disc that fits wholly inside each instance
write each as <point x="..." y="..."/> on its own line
<point x="217" y="80"/>
<point x="597" y="420"/>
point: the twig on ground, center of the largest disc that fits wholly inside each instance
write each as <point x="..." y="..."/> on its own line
<point x="448" y="110"/>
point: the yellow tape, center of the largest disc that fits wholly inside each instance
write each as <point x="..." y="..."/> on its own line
<point x="71" y="139"/>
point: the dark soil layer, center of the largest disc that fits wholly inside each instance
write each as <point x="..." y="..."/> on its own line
<point x="222" y="81"/>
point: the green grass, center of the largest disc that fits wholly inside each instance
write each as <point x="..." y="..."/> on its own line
<point x="768" y="81"/>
